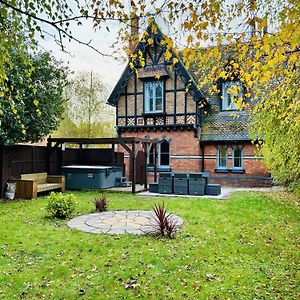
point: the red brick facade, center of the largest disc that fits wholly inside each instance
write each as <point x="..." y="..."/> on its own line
<point x="186" y="156"/>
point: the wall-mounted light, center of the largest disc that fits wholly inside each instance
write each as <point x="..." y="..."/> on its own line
<point x="63" y="147"/>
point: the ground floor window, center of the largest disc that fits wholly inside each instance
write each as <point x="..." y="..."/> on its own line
<point x="164" y="154"/>
<point x="237" y="156"/>
<point x="151" y="158"/>
<point x="163" y="149"/>
<point x="222" y="159"/>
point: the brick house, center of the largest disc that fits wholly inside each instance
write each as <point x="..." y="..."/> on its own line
<point x="161" y="101"/>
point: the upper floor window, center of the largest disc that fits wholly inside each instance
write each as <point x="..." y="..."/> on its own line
<point x="222" y="158"/>
<point x="237" y="156"/>
<point x="153" y="96"/>
<point x="231" y="92"/>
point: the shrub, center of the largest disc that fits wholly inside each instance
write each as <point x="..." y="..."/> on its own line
<point x="101" y="204"/>
<point x="164" y="225"/>
<point x="60" y="205"/>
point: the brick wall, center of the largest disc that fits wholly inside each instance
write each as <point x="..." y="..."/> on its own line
<point x="255" y="174"/>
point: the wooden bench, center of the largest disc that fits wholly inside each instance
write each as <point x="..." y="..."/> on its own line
<point x="31" y="184"/>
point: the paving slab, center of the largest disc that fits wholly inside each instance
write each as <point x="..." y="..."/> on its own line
<point x="225" y="192"/>
<point x="118" y="222"/>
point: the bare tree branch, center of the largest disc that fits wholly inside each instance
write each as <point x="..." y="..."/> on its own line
<point x="60" y="30"/>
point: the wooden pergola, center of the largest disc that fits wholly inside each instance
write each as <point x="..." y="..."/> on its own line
<point x="130" y="144"/>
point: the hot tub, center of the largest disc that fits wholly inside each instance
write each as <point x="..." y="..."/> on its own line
<point x="91" y="177"/>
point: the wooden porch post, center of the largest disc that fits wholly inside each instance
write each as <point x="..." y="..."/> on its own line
<point x="145" y="146"/>
<point x="48" y="156"/>
<point x="155" y="162"/>
<point x="80" y="154"/>
<point x="113" y="154"/>
<point x="133" y="160"/>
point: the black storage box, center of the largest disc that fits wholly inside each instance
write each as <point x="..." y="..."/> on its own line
<point x="197" y="184"/>
<point x="153" y="187"/>
<point x="165" y="183"/>
<point x="181" y="183"/>
<point x="213" y="189"/>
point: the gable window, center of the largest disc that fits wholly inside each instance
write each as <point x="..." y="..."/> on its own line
<point x="231" y="92"/>
<point x="222" y="159"/>
<point x="153" y="96"/>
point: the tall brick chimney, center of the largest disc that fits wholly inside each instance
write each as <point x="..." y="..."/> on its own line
<point x="134" y="33"/>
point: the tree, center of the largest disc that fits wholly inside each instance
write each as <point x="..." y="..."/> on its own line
<point x="264" y="36"/>
<point x="38" y="100"/>
<point x="86" y="112"/>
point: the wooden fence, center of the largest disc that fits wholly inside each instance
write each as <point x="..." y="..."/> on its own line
<point x="22" y="159"/>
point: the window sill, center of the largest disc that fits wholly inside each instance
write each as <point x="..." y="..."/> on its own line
<point x="221" y="170"/>
<point x="238" y="171"/>
<point x="159" y="169"/>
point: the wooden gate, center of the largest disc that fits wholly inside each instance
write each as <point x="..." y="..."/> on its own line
<point x="140" y="168"/>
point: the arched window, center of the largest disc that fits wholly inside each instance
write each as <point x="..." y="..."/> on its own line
<point x="237" y="158"/>
<point x="164" y="154"/>
<point x="222" y="158"/>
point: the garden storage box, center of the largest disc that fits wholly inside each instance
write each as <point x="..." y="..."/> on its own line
<point x="165" y="183"/>
<point x="180" y="183"/>
<point x="213" y="189"/>
<point x="197" y="184"/>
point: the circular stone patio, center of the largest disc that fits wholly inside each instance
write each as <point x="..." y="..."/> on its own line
<point x="118" y="222"/>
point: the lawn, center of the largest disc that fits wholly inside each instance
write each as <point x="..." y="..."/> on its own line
<point x="246" y="247"/>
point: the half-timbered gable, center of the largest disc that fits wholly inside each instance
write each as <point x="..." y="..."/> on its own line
<point x="154" y="93"/>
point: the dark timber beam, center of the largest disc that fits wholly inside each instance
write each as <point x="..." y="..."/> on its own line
<point x="133" y="168"/>
<point x="127" y="149"/>
<point x="155" y="162"/>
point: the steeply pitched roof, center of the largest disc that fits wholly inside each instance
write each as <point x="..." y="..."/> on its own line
<point x="179" y="68"/>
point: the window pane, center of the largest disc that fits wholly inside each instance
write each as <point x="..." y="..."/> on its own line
<point x="158" y="103"/>
<point x="159" y="90"/>
<point x="165" y="153"/>
<point x="151" y="156"/>
<point x="150" y="104"/>
<point x="237" y="158"/>
<point x="164" y="147"/>
<point x="164" y="159"/>
<point x="148" y="95"/>
<point x="222" y="158"/>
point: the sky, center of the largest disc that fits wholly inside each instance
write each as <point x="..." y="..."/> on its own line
<point x="82" y="58"/>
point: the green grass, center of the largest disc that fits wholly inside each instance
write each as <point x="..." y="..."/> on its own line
<point x="244" y="248"/>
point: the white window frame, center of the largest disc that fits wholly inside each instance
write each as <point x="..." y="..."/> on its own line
<point x="241" y="159"/>
<point x="151" y="86"/>
<point x="218" y="159"/>
<point x="227" y="103"/>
